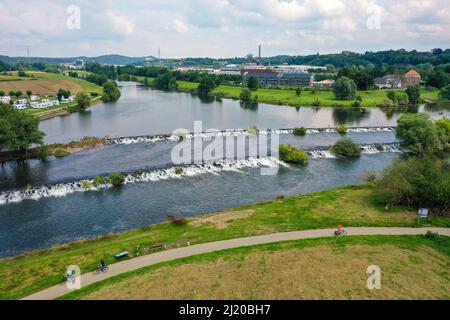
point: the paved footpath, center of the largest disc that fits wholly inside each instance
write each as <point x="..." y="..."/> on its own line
<point x="154" y="258"/>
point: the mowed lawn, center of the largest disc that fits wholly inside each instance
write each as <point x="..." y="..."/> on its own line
<point x="351" y="206"/>
<point x="412" y="267"/>
<point x="46" y="84"/>
<point x="370" y="98"/>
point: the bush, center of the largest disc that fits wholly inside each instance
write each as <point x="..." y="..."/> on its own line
<point x="99" y="181"/>
<point x="178" y="171"/>
<point x="253" y="129"/>
<point x="342" y="129"/>
<point x="60" y="153"/>
<point x="299" y="131"/>
<point x="116" y="179"/>
<point x="290" y="154"/>
<point x="419" y="182"/>
<point x="419" y="134"/>
<point x="369" y="176"/>
<point x="346" y="147"/>
<point x="87" y="185"/>
<point x="179" y="221"/>
<point x="43" y="152"/>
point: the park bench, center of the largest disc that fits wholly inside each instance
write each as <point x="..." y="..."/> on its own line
<point x="158" y="246"/>
<point x="121" y="255"/>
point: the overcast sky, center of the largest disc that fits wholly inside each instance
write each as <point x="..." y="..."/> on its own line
<point x="220" y="28"/>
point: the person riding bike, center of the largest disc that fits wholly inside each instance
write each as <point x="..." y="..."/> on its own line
<point x="340" y="230"/>
<point x="102" y="266"/>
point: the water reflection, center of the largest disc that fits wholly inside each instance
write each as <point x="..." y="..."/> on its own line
<point x="349" y="115"/>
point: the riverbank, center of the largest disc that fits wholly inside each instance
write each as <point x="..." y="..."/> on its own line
<point x="352" y="206"/>
<point x="309" y="97"/>
<point x="55" y="149"/>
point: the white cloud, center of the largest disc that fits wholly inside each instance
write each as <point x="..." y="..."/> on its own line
<point x="222" y="28"/>
<point x="120" y="23"/>
<point x="180" y="26"/>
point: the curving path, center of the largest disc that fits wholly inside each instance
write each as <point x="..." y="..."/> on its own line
<point x="151" y="259"/>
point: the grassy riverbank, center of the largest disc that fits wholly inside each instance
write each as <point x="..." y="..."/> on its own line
<point x="352" y="206"/>
<point x="305" y="269"/>
<point x="370" y="98"/>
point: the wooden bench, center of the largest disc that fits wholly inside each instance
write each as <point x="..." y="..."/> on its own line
<point x="159" y="246"/>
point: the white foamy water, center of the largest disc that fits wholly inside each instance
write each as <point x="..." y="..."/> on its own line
<point x="63" y="189"/>
<point x="236" y="133"/>
<point x="367" y="149"/>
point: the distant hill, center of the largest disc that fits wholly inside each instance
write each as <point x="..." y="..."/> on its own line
<point x="114" y="59"/>
<point x="343" y="59"/>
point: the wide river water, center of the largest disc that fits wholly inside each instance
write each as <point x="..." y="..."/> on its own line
<point x="142" y="111"/>
<point x="58" y="209"/>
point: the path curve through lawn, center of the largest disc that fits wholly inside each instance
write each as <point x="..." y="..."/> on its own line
<point x="151" y="259"/>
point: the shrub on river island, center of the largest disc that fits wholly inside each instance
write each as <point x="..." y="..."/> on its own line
<point x="346" y="147"/>
<point x="178" y="170"/>
<point x="290" y="154"/>
<point x="116" y="179"/>
<point x="87" y="185"/>
<point x="299" y="131"/>
<point x="342" y="129"/>
<point x="98" y="180"/>
<point x="60" y="153"/>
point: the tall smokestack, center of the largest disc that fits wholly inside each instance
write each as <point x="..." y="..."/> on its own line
<point x="259" y="55"/>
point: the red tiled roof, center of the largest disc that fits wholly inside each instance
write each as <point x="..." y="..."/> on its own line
<point x="412" y="72"/>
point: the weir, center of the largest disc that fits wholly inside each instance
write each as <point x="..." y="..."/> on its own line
<point x="237" y="132"/>
<point x="188" y="170"/>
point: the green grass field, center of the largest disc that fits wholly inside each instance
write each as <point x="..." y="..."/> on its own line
<point x="371" y="98"/>
<point x="351" y="206"/>
<point x="307" y="268"/>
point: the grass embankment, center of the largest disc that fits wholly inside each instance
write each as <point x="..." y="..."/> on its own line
<point x="370" y="98"/>
<point x="351" y="206"/>
<point x="412" y="267"/>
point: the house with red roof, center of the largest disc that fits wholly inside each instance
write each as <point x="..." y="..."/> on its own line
<point x="411" y="79"/>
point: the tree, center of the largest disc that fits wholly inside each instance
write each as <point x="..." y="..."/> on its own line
<point x="11" y="93"/>
<point x="83" y="100"/>
<point x="206" y="85"/>
<point x="165" y="81"/>
<point x="18" y="130"/>
<point x="413" y="94"/>
<point x="18" y="93"/>
<point x="421" y="182"/>
<point x="245" y="95"/>
<point x="29" y="93"/>
<point x="253" y="83"/>
<point x="298" y="91"/>
<point x="444" y="93"/>
<point x="345" y="89"/>
<point x="346" y="147"/>
<point x="443" y="128"/>
<point x="419" y="134"/>
<point x="438" y="79"/>
<point x="111" y="91"/>
<point x="2" y="93"/>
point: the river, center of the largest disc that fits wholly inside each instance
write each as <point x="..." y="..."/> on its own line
<point x="58" y="209"/>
